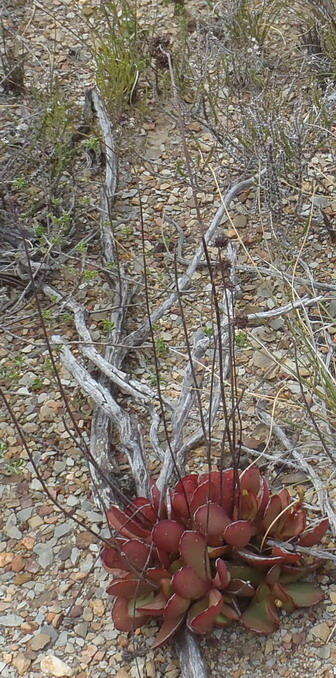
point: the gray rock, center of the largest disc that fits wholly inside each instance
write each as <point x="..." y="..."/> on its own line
<point x="11" y="528"/>
<point x="24" y="514"/>
<point x="47" y="628"/>
<point x="75" y="553"/>
<point x="62" y="639"/>
<point x="10" y="620"/>
<point x="45" y="553"/>
<point x="28" y="379"/>
<point x="62" y="529"/>
<point x="81" y="629"/>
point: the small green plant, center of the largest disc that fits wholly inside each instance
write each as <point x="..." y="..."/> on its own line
<point x="90" y="275"/>
<point x="37" y="384"/>
<point x="47" y="314"/>
<point x="241" y="339"/>
<point x="15" y="466"/>
<point x="20" y="182"/>
<point x="93" y="143"/>
<point x="208" y="331"/>
<point x="161" y="347"/>
<point x="119" y="56"/>
<point x="107" y="325"/>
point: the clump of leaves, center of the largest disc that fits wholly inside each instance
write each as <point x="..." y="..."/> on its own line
<point x="206" y="556"/>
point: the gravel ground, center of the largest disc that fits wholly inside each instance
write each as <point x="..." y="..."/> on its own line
<point x="55" y="617"/>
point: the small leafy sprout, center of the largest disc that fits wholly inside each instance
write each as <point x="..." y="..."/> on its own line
<point x="20" y="182"/>
<point x="3" y="448"/>
<point x="208" y="556"/>
<point x="161" y="347"/>
<point x="37" y="384"/>
<point x="15" y="465"/>
<point x="82" y="247"/>
<point x="208" y="331"/>
<point x="47" y="314"/>
<point x="67" y="317"/>
<point x="40" y="229"/>
<point x="108" y="325"/>
<point x="241" y="339"/>
<point x="93" y="143"/>
<point x="90" y="275"/>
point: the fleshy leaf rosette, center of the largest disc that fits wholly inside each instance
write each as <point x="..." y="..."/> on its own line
<point x="206" y="557"/>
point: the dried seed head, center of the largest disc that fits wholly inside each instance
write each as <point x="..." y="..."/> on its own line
<point x="157" y="46"/>
<point x="221" y="241"/>
<point x="241" y="321"/>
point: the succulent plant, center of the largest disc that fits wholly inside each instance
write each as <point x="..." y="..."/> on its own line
<point x="204" y="557"/>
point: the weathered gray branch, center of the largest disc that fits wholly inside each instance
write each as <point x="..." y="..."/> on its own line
<point x="130" y="438"/>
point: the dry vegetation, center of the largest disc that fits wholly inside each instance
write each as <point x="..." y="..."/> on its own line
<point x="167" y="271"/>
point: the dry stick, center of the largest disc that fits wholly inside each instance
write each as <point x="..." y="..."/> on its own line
<point x="284" y="276"/>
<point x="322" y="494"/>
<point x="139" y="391"/>
<point x="129" y="431"/>
<point x="100" y="427"/>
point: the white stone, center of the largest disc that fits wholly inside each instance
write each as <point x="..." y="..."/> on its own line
<point x="53" y="666"/>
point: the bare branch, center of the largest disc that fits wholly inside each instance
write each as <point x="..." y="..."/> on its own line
<point x="130" y="439"/>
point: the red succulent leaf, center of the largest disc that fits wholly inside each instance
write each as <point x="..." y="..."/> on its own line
<point x="167" y="630"/>
<point x="222" y="578"/>
<point x="128" y="587"/>
<point x="154" y="607"/>
<point x="112" y="559"/>
<point x="238" y="533"/>
<point x="211" y="519"/>
<point x="187" y="484"/>
<point x="285" y="498"/>
<point x="193" y="549"/>
<point x="281" y="598"/>
<point x="258" y="561"/>
<point x="251" y="480"/>
<point x="123" y="620"/>
<point x="175" y="606"/>
<point x="166" y="535"/>
<point x="273" y="575"/>
<point x="240" y="588"/>
<point x="272" y="511"/>
<point x="230" y="612"/>
<point x="222" y="485"/>
<point x="287" y="556"/>
<point x="180" y="506"/>
<point x="261" y="617"/>
<point x="303" y="594"/>
<point x="246" y="573"/>
<point x="216" y="551"/>
<point x="163" y="557"/>
<point x="295" y="523"/>
<point x="314" y="534"/>
<point x="187" y="584"/>
<point x="156" y="574"/>
<point x="137" y="554"/>
<point x="123" y="524"/>
<point x="141" y="509"/>
<point x="202" y="615"/>
<point x="248" y="505"/>
<point x="204" y="492"/>
<point x="264" y="497"/>
<point x="156" y="498"/>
